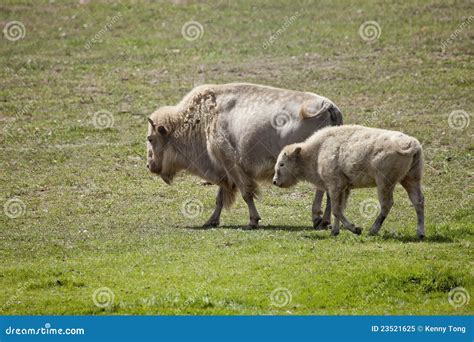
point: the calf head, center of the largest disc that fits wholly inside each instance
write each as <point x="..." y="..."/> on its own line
<point x="286" y="167"/>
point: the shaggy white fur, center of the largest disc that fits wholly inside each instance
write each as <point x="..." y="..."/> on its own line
<point x="338" y="159"/>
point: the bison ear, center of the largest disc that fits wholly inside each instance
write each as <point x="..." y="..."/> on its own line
<point x="297" y="151"/>
<point x="153" y="125"/>
<point x="313" y="108"/>
<point x="162" y="130"/>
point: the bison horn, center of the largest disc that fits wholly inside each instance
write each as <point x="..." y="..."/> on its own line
<point x="151" y="123"/>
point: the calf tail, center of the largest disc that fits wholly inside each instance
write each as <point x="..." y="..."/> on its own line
<point x="416" y="168"/>
<point x="408" y="145"/>
<point x="336" y="115"/>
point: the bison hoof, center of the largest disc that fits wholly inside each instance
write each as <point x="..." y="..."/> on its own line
<point x="251" y="226"/>
<point x="373" y="232"/>
<point x="335" y="233"/>
<point x="319" y="224"/>
<point x="324" y="225"/>
<point x="357" y="230"/>
<point x="211" y="223"/>
<point x="421" y="237"/>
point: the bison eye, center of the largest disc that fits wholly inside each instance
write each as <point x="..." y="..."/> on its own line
<point x="281" y="164"/>
<point x="149" y="138"/>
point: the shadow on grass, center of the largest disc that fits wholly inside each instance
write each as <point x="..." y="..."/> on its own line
<point x="411" y="238"/>
<point x="325" y="234"/>
<point x="269" y="227"/>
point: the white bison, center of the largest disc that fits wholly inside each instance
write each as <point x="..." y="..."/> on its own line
<point x="231" y="135"/>
<point x="338" y="159"/>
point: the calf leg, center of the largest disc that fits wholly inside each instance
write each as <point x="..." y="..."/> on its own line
<point x="325" y="221"/>
<point x="327" y="212"/>
<point x="413" y="188"/>
<point x="385" y="194"/>
<point x="338" y="201"/>
<point x="316" y="209"/>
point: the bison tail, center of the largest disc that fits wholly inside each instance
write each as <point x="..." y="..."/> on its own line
<point x="229" y="195"/>
<point x="409" y="146"/>
<point x="416" y="168"/>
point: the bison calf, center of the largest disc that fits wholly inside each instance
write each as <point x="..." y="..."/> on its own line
<point x="338" y="159"/>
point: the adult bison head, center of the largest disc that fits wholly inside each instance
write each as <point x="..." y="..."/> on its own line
<point x="160" y="158"/>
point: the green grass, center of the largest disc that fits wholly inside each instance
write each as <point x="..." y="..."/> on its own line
<point x="96" y="218"/>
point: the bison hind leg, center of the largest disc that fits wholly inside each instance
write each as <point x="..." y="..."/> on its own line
<point x="385" y="195"/>
<point x="413" y="189"/>
<point x="249" y="192"/>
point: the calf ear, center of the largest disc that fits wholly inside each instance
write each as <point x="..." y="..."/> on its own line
<point x="153" y="125"/>
<point x="297" y="151"/>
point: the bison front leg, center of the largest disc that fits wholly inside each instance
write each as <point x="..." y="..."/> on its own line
<point x="254" y="216"/>
<point x="225" y="198"/>
<point x="335" y="229"/>
<point x="216" y="215"/>
<point x="316" y="209"/>
<point x="338" y="202"/>
<point x="327" y="212"/>
<point x="318" y="221"/>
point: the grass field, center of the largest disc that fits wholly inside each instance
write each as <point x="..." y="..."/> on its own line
<point x="86" y="229"/>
